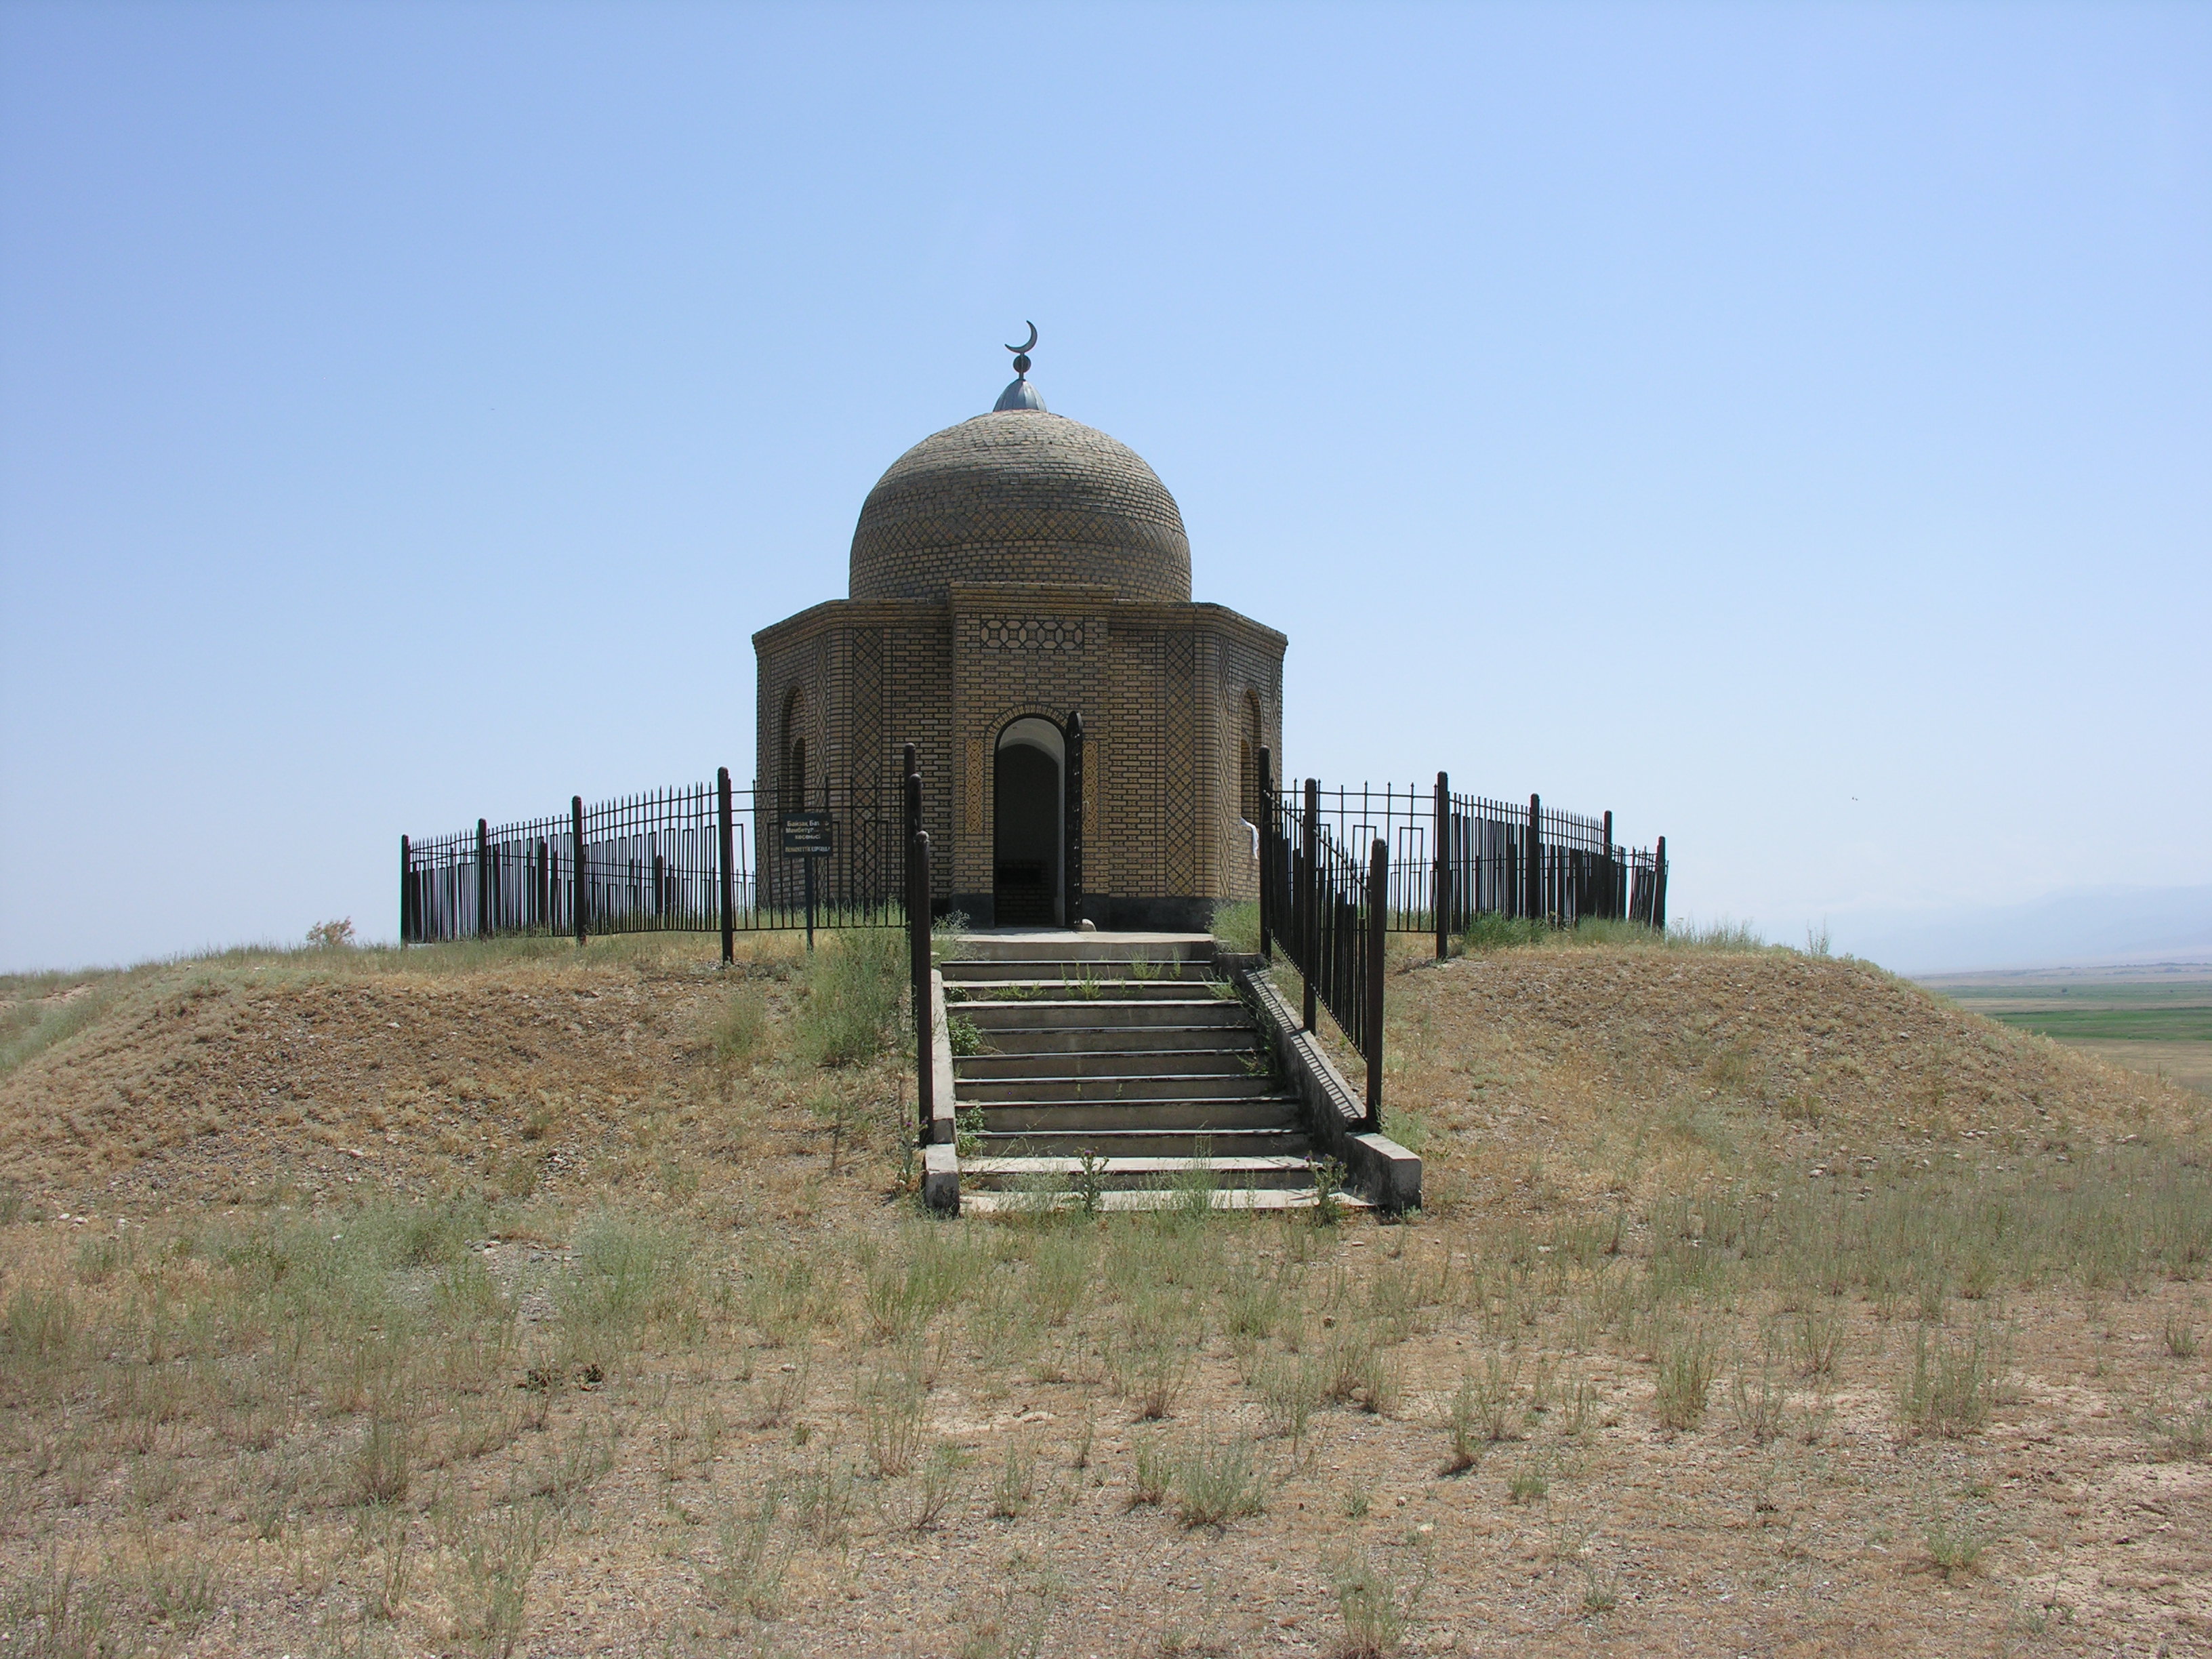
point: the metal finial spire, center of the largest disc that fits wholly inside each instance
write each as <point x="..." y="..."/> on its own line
<point x="1021" y="394"/>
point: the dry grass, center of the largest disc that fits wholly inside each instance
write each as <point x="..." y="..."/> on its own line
<point x="505" y="1300"/>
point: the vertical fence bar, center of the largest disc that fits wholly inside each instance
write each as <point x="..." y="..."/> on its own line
<point x="726" y="849"/>
<point x="582" y="903"/>
<point x="1440" y="884"/>
<point x="917" y="936"/>
<point x="1070" y="865"/>
<point x="1309" y="900"/>
<point x="406" y="893"/>
<point x="1659" y="886"/>
<point x="1378" y="922"/>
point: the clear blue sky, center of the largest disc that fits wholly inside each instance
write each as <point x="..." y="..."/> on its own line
<point x="1790" y="427"/>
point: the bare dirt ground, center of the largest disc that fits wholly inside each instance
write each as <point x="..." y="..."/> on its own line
<point x="507" y="1302"/>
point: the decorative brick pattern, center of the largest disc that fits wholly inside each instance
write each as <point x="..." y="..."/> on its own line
<point x="1029" y="632"/>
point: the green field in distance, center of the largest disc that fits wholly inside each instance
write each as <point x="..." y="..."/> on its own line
<point x="2153" y="1019"/>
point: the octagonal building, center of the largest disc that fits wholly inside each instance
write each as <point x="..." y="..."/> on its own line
<point x="1007" y="573"/>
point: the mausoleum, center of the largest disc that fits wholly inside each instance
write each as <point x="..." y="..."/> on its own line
<point x="1019" y="610"/>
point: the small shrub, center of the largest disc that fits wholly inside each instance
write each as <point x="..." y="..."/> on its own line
<point x="1288" y="1394"/>
<point x="1328" y="1182"/>
<point x="939" y="1481"/>
<point x="739" y="1029"/>
<point x="855" y="997"/>
<point x="1531" y="1483"/>
<point x="1951" y="1386"/>
<point x="1214" y="1485"/>
<point x="2181" y="1337"/>
<point x="891" y="1411"/>
<point x="1376" y="1609"/>
<point x="1955" y="1544"/>
<point x="1015" y="1485"/>
<point x="965" y="1036"/>
<point x="1463" y="1419"/>
<point x="332" y="935"/>
<point x="1148" y="1482"/>
<point x="1685" y="1377"/>
<point x="748" y="1570"/>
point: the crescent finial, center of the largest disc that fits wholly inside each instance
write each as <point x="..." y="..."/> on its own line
<point x="1028" y="344"/>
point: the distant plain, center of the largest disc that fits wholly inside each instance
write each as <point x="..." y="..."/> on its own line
<point x="2151" y="1018"/>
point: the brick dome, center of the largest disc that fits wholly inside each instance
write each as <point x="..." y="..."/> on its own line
<point x="1020" y="495"/>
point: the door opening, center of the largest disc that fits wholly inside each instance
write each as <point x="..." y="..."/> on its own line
<point x="1026" y="827"/>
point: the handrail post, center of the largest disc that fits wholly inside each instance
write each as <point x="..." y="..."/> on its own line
<point x="1378" y="894"/>
<point x="576" y="844"/>
<point x="1308" y="903"/>
<point x="917" y="931"/>
<point x="1264" y="806"/>
<point x="729" y="844"/>
<point x="406" y="893"/>
<point x="1440" y="894"/>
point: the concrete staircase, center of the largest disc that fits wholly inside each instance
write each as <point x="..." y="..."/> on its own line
<point x="1127" y="1048"/>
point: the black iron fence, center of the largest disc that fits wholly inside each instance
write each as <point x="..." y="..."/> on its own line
<point x="1453" y="857"/>
<point x="1339" y="868"/>
<point x="1326" y="908"/>
<point x="688" y="859"/>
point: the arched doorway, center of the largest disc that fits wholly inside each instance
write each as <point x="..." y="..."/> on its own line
<point x="1027" y="797"/>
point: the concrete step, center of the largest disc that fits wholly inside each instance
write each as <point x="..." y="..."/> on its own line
<point x="1253" y="1111"/>
<point x="1155" y="1087"/>
<point x="1216" y="1144"/>
<point x="1059" y="945"/>
<point x="1105" y="1013"/>
<point x="1128" y="1172"/>
<point x="1021" y="1042"/>
<point x="1215" y="1059"/>
<point x="1136" y="971"/>
<point x="1262" y="1199"/>
<point x="977" y="992"/>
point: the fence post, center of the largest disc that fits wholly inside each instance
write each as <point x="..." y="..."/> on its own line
<point x="729" y="847"/>
<point x="1659" y="888"/>
<point x="1264" y="806"/>
<point x="917" y="936"/>
<point x="911" y="784"/>
<point x="576" y="849"/>
<point x="1308" y="901"/>
<point x="483" y="882"/>
<point x="1612" y="872"/>
<point x="1532" y="902"/>
<point x="1440" y="897"/>
<point x="1378" y="918"/>
<point x="1070" y="865"/>
<point x="406" y="893"/>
